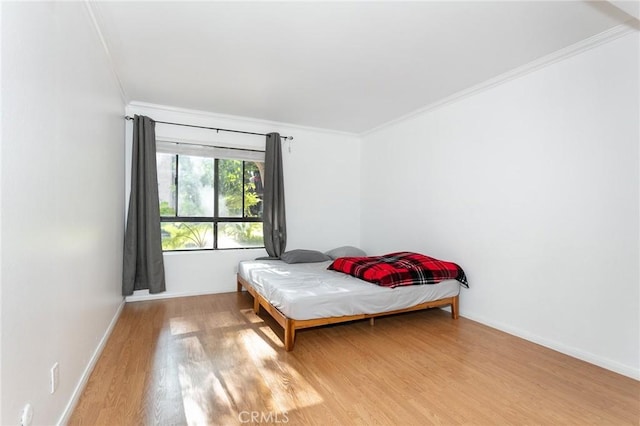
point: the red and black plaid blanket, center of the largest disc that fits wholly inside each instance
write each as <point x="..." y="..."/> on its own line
<point x="399" y="269"/>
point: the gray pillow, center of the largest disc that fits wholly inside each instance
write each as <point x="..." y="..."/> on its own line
<point x="303" y="256"/>
<point x="345" y="251"/>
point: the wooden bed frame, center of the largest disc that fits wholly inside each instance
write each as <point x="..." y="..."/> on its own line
<point x="291" y="325"/>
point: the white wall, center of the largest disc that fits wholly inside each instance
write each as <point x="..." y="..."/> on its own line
<point x="532" y="187"/>
<point x="322" y="187"/>
<point x="1" y="103"/>
<point x="62" y="201"/>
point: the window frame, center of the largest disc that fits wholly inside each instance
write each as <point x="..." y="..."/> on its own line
<point x="215" y="219"/>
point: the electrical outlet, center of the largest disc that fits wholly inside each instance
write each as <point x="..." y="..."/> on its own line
<point x="27" y="415"/>
<point x="55" y="377"/>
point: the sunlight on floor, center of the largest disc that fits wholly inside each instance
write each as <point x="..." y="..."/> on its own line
<point x="213" y="388"/>
<point x="273" y="337"/>
<point x="251" y="316"/>
<point x="257" y="348"/>
<point x="194" y="323"/>
<point x="183" y="325"/>
<point x="204" y="400"/>
<point x="223" y="319"/>
<point x="278" y="374"/>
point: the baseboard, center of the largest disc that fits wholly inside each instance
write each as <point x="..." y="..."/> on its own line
<point x="75" y="396"/>
<point x="143" y="295"/>
<point x="605" y="363"/>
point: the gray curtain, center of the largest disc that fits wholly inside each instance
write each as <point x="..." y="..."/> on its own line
<point x="143" y="266"/>
<point x="273" y="217"/>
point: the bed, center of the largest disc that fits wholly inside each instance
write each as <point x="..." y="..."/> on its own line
<point x="305" y="295"/>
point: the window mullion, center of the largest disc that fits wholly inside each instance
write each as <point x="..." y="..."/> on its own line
<point x="216" y="184"/>
<point x="176" y="184"/>
<point x="242" y="186"/>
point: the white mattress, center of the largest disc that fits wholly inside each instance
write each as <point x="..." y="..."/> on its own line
<point x="304" y="291"/>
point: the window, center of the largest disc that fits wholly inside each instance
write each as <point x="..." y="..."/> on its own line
<point x="210" y="198"/>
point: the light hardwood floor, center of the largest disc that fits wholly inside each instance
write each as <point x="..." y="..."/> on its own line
<point x="211" y="360"/>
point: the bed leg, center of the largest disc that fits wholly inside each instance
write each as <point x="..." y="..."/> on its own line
<point x="239" y="286"/>
<point x="454" y="308"/>
<point x="372" y="321"/>
<point x="289" y="335"/>
<point x="256" y="304"/>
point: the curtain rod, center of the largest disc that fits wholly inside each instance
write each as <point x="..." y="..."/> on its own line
<point x="215" y="128"/>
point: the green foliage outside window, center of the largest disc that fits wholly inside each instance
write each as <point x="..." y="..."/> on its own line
<point x="166" y="209"/>
<point x="186" y="235"/>
<point x="247" y="233"/>
<point x="231" y="186"/>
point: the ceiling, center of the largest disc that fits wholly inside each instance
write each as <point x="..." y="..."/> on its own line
<point x="347" y="66"/>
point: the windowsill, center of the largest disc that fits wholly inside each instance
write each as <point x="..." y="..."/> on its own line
<point x="236" y="249"/>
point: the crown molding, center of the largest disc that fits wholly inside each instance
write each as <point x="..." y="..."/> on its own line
<point x="105" y="47"/>
<point x="559" y="55"/>
<point x="237" y="118"/>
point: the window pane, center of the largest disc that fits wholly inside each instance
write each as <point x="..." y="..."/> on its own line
<point x="253" y="189"/>
<point x="186" y="235"/>
<point x="166" y="164"/>
<point x="195" y="186"/>
<point x="240" y="234"/>
<point x="230" y="188"/>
